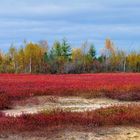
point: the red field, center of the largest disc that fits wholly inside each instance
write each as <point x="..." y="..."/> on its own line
<point x="16" y="88"/>
<point x="117" y="115"/>
<point x="119" y="86"/>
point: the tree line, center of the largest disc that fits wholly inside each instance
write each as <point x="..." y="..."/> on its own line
<point x="62" y="58"/>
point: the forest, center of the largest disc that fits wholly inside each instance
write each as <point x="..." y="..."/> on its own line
<point x="62" y="58"/>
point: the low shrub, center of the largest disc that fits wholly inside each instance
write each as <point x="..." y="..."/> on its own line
<point x="4" y="101"/>
<point x="122" y="86"/>
<point x="117" y="115"/>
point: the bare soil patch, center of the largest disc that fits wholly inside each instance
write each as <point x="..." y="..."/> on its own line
<point x="104" y="133"/>
<point x="75" y="104"/>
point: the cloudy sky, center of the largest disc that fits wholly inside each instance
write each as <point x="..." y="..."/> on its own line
<point x="76" y="20"/>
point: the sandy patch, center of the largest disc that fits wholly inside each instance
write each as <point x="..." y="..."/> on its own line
<point x="113" y="133"/>
<point x="74" y="104"/>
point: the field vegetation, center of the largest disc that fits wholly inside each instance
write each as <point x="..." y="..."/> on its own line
<point x="118" y="86"/>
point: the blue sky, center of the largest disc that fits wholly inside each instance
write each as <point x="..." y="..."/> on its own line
<point x="76" y="20"/>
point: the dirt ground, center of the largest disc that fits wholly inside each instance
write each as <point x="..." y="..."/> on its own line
<point x="48" y="103"/>
<point x="105" y="133"/>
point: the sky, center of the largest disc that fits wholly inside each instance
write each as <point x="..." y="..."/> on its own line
<point x="75" y="20"/>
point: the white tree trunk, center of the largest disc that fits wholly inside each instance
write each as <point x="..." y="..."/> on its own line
<point x="30" y="65"/>
<point x="124" y="66"/>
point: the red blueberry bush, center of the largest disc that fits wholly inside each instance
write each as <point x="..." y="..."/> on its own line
<point x="117" y="115"/>
<point x="4" y="101"/>
<point x="122" y="86"/>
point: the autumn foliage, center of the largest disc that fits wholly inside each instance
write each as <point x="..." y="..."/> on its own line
<point x="122" y="86"/>
<point x="4" y="101"/>
<point x="117" y="115"/>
